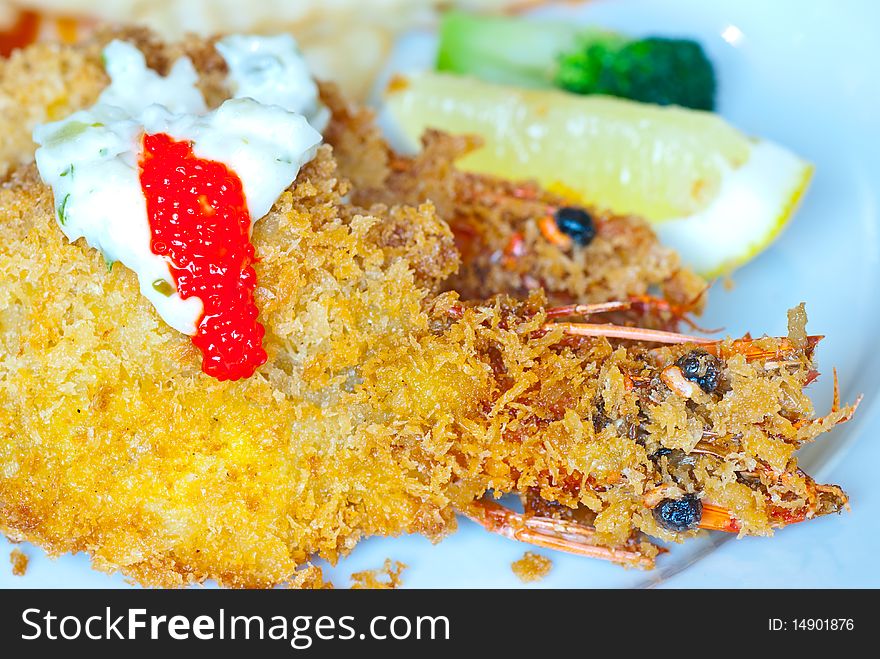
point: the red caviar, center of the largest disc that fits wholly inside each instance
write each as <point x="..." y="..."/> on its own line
<point x="199" y="219"/>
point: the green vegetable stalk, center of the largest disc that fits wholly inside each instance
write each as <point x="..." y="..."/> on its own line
<point x="533" y="53"/>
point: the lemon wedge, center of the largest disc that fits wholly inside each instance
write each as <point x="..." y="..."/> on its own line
<point x="715" y="195"/>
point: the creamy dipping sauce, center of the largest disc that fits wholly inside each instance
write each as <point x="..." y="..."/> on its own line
<point x="272" y="71"/>
<point x="91" y="159"/>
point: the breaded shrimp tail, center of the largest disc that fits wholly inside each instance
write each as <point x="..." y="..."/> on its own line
<point x="381" y="410"/>
<point x="387" y="403"/>
<point x="507" y="232"/>
<point x="496" y="224"/>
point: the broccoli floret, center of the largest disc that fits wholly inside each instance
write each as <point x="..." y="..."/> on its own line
<point x="533" y="53"/>
<point x="652" y="70"/>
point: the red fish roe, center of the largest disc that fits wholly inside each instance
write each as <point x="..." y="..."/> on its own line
<point x="199" y="219"/>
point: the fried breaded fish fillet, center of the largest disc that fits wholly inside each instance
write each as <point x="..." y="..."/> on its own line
<point x="379" y="411"/>
<point x="113" y="442"/>
<point x="383" y="408"/>
<point x="46" y="82"/>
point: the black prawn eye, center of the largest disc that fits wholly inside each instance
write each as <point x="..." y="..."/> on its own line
<point x="679" y="514"/>
<point x="702" y="369"/>
<point x="576" y="223"/>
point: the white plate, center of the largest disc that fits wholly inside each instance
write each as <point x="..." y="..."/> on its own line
<point x="803" y="74"/>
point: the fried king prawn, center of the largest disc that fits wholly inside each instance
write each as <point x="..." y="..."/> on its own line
<point x="387" y="404"/>
<point x="515" y="237"/>
<point x="381" y="410"/>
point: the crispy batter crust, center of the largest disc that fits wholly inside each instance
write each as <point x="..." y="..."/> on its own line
<point x="381" y="410"/>
<point x="374" y="414"/>
<point x="531" y="567"/>
<point x="49" y="81"/>
<point x="19" y="562"/>
<point x="385" y="578"/>
<point x="496" y="225"/>
<point x="116" y="444"/>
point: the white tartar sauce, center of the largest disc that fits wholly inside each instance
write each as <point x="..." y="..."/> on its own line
<point x="91" y="158"/>
<point x="272" y="71"/>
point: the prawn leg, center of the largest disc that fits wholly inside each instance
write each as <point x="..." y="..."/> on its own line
<point x="561" y="535"/>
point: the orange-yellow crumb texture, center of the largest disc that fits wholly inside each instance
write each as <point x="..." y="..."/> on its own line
<point x="19" y="562"/>
<point x="385" y="578"/>
<point x="531" y="567"/>
<point x="385" y="405"/>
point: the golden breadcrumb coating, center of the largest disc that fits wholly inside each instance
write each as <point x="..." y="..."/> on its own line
<point x="42" y="83"/>
<point x="378" y="412"/>
<point x="19" y="562"/>
<point x="385" y="578"/>
<point x="531" y="567"/>
<point x="347" y="41"/>
<point x="185" y="477"/>
<point x="382" y="409"/>
<point x="358" y="146"/>
<point x="49" y="81"/>
<point x="497" y="228"/>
